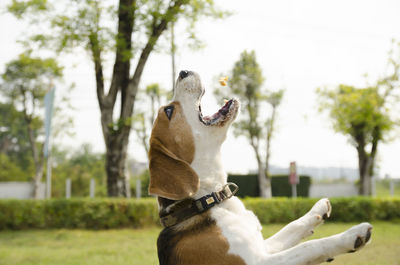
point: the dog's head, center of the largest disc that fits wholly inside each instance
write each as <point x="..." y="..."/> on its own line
<point x="179" y="132"/>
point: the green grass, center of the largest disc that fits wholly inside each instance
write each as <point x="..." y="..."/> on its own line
<point x="127" y="246"/>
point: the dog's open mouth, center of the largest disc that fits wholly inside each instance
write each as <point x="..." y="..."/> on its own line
<point x="228" y="111"/>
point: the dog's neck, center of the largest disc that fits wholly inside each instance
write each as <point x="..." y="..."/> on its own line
<point x="207" y="158"/>
<point x="208" y="140"/>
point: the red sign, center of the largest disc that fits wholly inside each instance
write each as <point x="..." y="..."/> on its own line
<point x="293" y="179"/>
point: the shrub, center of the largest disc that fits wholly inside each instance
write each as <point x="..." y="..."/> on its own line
<point x="355" y="209"/>
<point x="248" y="185"/>
<point x="119" y="213"/>
<point x="77" y="213"/>
<point x="279" y="184"/>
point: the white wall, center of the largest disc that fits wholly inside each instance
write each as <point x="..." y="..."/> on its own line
<point x="19" y="190"/>
<point x="333" y="190"/>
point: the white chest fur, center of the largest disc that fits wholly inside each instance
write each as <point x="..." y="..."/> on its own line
<point x="241" y="228"/>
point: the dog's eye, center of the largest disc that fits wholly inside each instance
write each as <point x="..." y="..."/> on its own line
<point x="168" y="111"/>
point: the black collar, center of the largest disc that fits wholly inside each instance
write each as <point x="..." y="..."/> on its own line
<point x="179" y="211"/>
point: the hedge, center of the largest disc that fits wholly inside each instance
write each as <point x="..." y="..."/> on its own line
<point x="353" y="209"/>
<point x="279" y="185"/>
<point x="119" y="213"/>
<point x="77" y="213"/>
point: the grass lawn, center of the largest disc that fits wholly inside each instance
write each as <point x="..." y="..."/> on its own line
<point x="127" y="246"/>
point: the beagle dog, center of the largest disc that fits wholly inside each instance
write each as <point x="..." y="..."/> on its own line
<point x="204" y="223"/>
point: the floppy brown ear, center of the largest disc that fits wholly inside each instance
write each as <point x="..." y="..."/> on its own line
<point x="170" y="176"/>
<point x="170" y="155"/>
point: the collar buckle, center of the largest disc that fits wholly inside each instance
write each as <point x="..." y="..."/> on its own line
<point x="226" y="192"/>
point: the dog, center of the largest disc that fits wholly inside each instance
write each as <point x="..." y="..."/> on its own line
<point x="204" y="223"/>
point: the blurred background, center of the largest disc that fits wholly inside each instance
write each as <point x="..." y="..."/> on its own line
<point x="81" y="83"/>
<point x="301" y="51"/>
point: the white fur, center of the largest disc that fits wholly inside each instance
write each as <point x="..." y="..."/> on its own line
<point x="241" y="227"/>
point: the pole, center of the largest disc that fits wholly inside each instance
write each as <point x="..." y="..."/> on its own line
<point x="138" y="188"/>
<point x="92" y="187"/>
<point x="391" y="187"/>
<point x="48" y="177"/>
<point x="48" y="102"/>
<point x="294" y="191"/>
<point x="68" y="188"/>
<point x="128" y="187"/>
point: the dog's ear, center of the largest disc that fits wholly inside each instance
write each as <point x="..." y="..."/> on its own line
<point x="170" y="155"/>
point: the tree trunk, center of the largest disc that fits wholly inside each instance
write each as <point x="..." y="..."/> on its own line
<point x="37" y="180"/>
<point x="36" y="152"/>
<point x="264" y="183"/>
<point x="364" y="162"/>
<point x="270" y="131"/>
<point x="115" y="164"/>
<point x="116" y="134"/>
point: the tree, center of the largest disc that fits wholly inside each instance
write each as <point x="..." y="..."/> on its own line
<point x="89" y="24"/>
<point x="274" y="99"/>
<point x="25" y="83"/>
<point x="246" y="84"/>
<point x="80" y="166"/>
<point x="363" y="114"/>
<point x="13" y="136"/>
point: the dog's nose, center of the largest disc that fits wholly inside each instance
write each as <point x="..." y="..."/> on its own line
<point x="183" y="74"/>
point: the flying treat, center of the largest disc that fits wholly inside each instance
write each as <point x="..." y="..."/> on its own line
<point x="223" y="80"/>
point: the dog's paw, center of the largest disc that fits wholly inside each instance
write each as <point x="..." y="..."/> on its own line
<point x="321" y="210"/>
<point x="357" y="236"/>
<point x="316" y="216"/>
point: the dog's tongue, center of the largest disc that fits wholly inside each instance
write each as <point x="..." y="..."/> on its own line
<point x="222" y="111"/>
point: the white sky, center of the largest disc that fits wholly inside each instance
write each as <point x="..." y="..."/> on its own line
<point x="301" y="45"/>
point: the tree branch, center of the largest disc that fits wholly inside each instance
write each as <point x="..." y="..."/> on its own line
<point x="157" y="30"/>
<point x="120" y="77"/>
<point x="98" y="67"/>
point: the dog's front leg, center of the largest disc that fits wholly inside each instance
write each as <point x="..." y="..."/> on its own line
<point x="297" y="230"/>
<point x="324" y="249"/>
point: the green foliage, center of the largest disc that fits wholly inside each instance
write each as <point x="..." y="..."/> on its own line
<point x="356" y="209"/>
<point x="14" y="139"/>
<point x="249" y="187"/>
<point x="281" y="187"/>
<point x="246" y="82"/>
<point x="25" y="82"/>
<point x="19" y="8"/>
<point x="77" y="213"/>
<point x="365" y="115"/>
<point x="10" y="171"/>
<point x="145" y="181"/>
<point x="117" y="213"/>
<point x="29" y="74"/>
<point x="125" y="30"/>
<point x="80" y="166"/>
<point x="91" y="23"/>
<point x="357" y="111"/>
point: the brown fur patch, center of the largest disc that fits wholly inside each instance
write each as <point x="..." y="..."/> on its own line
<point x="171" y="152"/>
<point x="197" y="241"/>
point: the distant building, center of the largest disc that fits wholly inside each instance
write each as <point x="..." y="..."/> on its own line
<point x="320" y="173"/>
